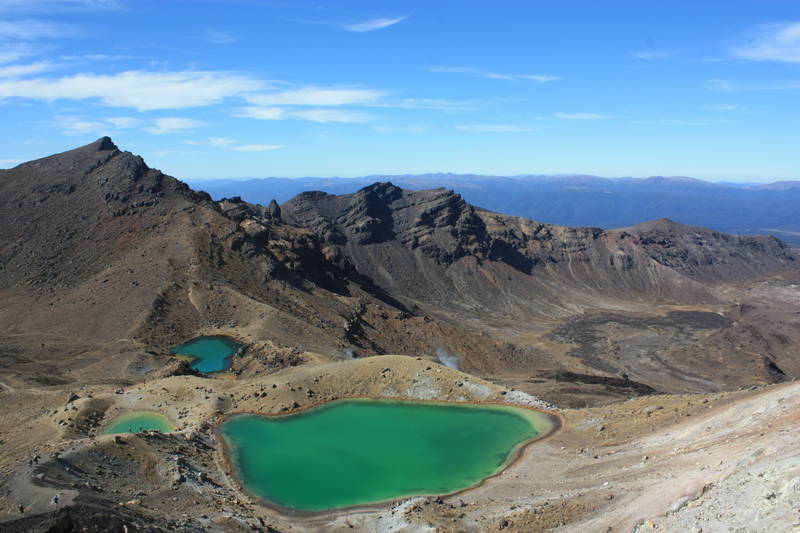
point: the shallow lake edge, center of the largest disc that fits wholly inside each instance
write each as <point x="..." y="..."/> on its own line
<point x="535" y="414"/>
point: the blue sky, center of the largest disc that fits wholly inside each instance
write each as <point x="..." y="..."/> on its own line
<point x="235" y="88"/>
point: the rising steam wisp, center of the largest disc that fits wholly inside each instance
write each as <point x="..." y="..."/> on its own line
<point x="448" y="360"/>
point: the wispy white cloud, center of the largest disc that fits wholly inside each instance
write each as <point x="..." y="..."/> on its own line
<point x="332" y="115"/>
<point x="683" y="122"/>
<point x="47" y="6"/>
<point x="772" y="42"/>
<point x="489" y="74"/>
<point x="373" y="24"/>
<point x="11" y="52"/>
<point x="652" y="55"/>
<point x="232" y="144"/>
<point x="582" y="116"/>
<point x="219" y="37"/>
<point x="317" y="96"/>
<point x="433" y="104"/>
<point x="727" y="86"/>
<point x="158" y="90"/>
<point x="312" y="103"/>
<point x="15" y="71"/>
<point x="78" y="126"/>
<point x="124" y="122"/>
<point x="290" y="104"/>
<point x="722" y="107"/>
<point x="493" y="128"/>
<point x="96" y="57"/>
<point x="718" y="84"/>
<point x="256" y="147"/>
<point x="314" y="114"/>
<point x="412" y="128"/>
<point x="8" y="163"/>
<point x="72" y="125"/>
<point x="471" y="71"/>
<point x="32" y="29"/>
<point x="141" y="90"/>
<point x="261" y="113"/>
<point x="172" y="125"/>
<point x="221" y="141"/>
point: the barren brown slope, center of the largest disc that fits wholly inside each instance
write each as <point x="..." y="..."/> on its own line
<point x="106" y="263"/>
<point x="89" y="243"/>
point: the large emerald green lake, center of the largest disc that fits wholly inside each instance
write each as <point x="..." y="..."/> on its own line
<point x="353" y="452"/>
<point x="139" y="421"/>
<point x="208" y="354"/>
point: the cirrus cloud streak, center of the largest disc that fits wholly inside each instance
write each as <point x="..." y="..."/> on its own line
<point x="493" y="128"/>
<point x="373" y="24"/>
<point x="314" y="114"/>
<point x="492" y="75"/>
<point x="582" y="116"/>
<point x="141" y="90"/>
<point x="256" y="147"/>
<point x="773" y="42"/>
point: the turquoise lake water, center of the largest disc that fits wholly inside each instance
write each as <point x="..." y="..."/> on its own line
<point x="208" y="354"/>
<point x="352" y="452"/>
<point x="139" y="421"/>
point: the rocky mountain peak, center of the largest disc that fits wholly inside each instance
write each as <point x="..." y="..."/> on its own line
<point x="661" y="224"/>
<point x="380" y="191"/>
<point x="438" y="222"/>
<point x="104" y="144"/>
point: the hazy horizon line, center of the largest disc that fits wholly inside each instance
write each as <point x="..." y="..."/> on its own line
<point x="560" y="175"/>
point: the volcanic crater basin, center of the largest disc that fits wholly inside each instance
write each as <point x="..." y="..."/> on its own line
<point x="208" y="354"/>
<point x="348" y="453"/>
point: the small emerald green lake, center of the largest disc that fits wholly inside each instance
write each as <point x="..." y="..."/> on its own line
<point x="139" y="421"/>
<point x="353" y="452"/>
<point x="208" y="354"/>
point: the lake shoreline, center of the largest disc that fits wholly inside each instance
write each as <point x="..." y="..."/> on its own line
<point x="534" y="415"/>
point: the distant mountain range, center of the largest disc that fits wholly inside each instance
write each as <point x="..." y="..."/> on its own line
<point x="574" y="200"/>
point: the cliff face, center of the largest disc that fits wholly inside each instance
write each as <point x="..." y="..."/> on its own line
<point x="434" y="247"/>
